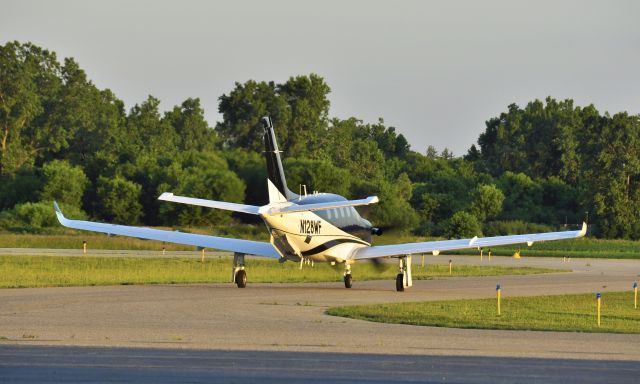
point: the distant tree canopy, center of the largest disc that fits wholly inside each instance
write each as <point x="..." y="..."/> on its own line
<point x="62" y="138"/>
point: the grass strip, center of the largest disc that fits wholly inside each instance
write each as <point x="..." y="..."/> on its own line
<point x="58" y="271"/>
<point x="567" y="313"/>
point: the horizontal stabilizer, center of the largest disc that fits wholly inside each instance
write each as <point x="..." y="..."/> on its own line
<point x="447" y="245"/>
<point x="257" y="248"/>
<point x="319" y="206"/>
<point x="168" y="196"/>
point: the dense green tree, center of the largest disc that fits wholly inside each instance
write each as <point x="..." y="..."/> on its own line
<point x="205" y="176"/>
<point x="317" y="175"/>
<point x="191" y="127"/>
<point x="486" y="202"/>
<point x="307" y="99"/>
<point x="561" y="202"/>
<point x="615" y="176"/>
<point x="29" y="80"/>
<point x="242" y="110"/>
<point x="523" y="197"/>
<point x="462" y="225"/>
<point x="93" y="121"/>
<point x="20" y="187"/>
<point x="393" y="211"/>
<point x="34" y="217"/>
<point x="298" y="109"/>
<point x="64" y="183"/>
<point x="119" y="199"/>
<point x="148" y="132"/>
<point x="251" y="168"/>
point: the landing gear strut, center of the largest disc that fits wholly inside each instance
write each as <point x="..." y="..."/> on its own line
<point x="347" y="276"/>
<point x="239" y="275"/>
<point x="403" y="279"/>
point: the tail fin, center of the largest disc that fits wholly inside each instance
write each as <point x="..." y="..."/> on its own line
<point x="274" y="164"/>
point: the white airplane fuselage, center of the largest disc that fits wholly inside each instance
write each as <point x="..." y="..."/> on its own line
<point x="325" y="235"/>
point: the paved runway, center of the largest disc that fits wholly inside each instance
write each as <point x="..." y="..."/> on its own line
<point x="19" y="364"/>
<point x="288" y="320"/>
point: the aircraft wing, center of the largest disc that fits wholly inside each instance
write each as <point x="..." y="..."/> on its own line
<point x="257" y="248"/>
<point x="447" y="245"/>
<point x="251" y="209"/>
<point x="273" y="210"/>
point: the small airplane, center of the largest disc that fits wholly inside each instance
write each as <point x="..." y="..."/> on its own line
<point x="320" y="227"/>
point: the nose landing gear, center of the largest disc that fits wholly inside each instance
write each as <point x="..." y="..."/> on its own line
<point x="347" y="276"/>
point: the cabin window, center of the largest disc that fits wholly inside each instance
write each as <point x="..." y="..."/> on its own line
<point x="329" y="213"/>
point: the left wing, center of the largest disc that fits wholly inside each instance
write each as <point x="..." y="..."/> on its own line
<point x="249" y="247"/>
<point x="447" y="245"/>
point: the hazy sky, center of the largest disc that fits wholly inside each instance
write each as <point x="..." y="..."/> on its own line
<point x="436" y="70"/>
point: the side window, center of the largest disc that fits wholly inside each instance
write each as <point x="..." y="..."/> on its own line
<point x="329" y="213"/>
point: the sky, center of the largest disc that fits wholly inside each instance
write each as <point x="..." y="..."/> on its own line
<point x="435" y="70"/>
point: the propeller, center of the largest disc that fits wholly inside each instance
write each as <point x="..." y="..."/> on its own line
<point x="380" y="265"/>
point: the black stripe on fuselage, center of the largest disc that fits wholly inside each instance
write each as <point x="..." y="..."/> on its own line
<point x="329" y="244"/>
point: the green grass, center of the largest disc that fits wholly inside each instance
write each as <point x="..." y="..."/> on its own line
<point x="50" y="271"/>
<point x="572" y="313"/>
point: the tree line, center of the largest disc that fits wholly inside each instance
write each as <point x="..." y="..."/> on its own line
<point x="537" y="167"/>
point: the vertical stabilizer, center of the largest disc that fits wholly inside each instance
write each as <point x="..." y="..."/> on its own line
<point x="274" y="164"/>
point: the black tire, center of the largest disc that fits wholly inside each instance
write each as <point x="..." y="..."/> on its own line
<point x="347" y="281"/>
<point x="400" y="282"/>
<point x="241" y="278"/>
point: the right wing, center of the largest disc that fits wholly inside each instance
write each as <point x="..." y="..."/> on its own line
<point x="249" y="247"/>
<point x="251" y="209"/>
<point x="448" y="245"/>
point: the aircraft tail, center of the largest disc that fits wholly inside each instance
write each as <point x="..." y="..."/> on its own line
<point x="274" y="163"/>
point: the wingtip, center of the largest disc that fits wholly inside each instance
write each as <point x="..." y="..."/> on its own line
<point x="374" y="199"/>
<point x="59" y="214"/>
<point x="583" y="231"/>
<point x="165" y="196"/>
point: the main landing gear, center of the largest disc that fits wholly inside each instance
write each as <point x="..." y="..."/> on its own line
<point x="239" y="275"/>
<point x="403" y="279"/>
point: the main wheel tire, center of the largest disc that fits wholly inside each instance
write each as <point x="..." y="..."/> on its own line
<point x="347" y="281"/>
<point x="400" y="282"/>
<point x="241" y="278"/>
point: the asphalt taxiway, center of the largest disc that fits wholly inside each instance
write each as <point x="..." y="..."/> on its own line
<point x="20" y="364"/>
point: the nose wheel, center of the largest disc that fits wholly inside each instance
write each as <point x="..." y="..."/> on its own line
<point x="347" y="275"/>
<point x="347" y="281"/>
